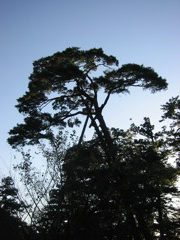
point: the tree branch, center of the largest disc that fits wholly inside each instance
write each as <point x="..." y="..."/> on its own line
<point x="73" y="114"/>
<point x="62" y="97"/>
<point x="106" y="100"/>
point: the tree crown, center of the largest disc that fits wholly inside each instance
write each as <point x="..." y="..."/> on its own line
<point x="68" y="82"/>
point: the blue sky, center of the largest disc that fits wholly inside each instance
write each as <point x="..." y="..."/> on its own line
<point x="141" y="31"/>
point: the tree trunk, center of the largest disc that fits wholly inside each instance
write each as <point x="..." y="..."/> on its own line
<point x="143" y="227"/>
<point x="108" y="141"/>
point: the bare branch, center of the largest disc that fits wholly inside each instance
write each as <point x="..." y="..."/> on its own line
<point x="62" y="97"/>
<point x="73" y="114"/>
<point x="106" y="100"/>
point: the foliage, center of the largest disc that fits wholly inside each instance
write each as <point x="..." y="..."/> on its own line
<point x="128" y="199"/>
<point x="119" y="185"/>
<point x="37" y="182"/>
<point x="9" y="200"/>
<point x="11" y="209"/>
<point x="172" y="113"/>
<point x="65" y="86"/>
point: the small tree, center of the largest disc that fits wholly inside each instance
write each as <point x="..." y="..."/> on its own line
<point x="9" y="199"/>
<point x="172" y="113"/>
<point x="11" y="208"/>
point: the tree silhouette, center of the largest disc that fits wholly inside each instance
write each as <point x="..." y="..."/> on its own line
<point x="9" y="199"/>
<point x="68" y="82"/>
<point x="131" y="199"/>
<point x="11" y="224"/>
<point x="119" y="185"/>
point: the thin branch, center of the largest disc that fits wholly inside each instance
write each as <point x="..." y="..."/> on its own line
<point x="106" y="100"/>
<point x="72" y="115"/>
<point x="44" y="104"/>
<point x="95" y="66"/>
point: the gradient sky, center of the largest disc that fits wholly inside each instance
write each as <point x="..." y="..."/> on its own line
<point x="135" y="31"/>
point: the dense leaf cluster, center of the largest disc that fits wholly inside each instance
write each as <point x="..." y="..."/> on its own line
<point x="128" y="199"/>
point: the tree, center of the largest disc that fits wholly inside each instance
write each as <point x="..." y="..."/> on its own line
<point x="9" y="199"/>
<point x="11" y="208"/>
<point x="39" y="181"/>
<point x="172" y="113"/>
<point x="67" y="81"/>
<point x="117" y="183"/>
<point x="157" y="179"/>
<point x="130" y="200"/>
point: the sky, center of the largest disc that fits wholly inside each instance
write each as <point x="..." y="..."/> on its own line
<point x="143" y="32"/>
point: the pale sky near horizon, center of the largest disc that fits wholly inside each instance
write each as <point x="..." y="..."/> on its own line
<point x="143" y="32"/>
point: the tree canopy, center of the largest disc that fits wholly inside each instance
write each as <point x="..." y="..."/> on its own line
<point x="131" y="199"/>
<point x="69" y="82"/>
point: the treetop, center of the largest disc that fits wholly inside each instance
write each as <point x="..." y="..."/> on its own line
<point x="69" y="83"/>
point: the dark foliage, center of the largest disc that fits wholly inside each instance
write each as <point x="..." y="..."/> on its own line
<point x="119" y="185"/>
